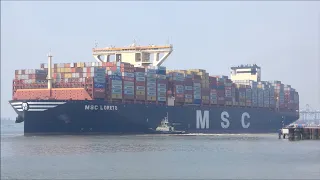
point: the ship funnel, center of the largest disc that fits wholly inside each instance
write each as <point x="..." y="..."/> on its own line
<point x="49" y="77"/>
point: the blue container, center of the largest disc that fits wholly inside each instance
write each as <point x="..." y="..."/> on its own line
<point x="197" y="101"/>
<point x="196" y="96"/>
<point x="161" y="76"/>
<point x="162" y="99"/>
<point x="163" y="68"/>
<point x="151" y="80"/>
<point x="128" y="83"/>
<point x="151" y="71"/>
<point x="115" y="86"/>
<point x="140" y="79"/>
<point x="151" y="89"/>
<point x="99" y="80"/>
<point x="116" y="91"/>
<point x="139" y="74"/>
<point x="151" y="84"/>
<point x="126" y="74"/>
<point x="115" y="77"/>
<point x="128" y="92"/>
<point x="128" y="88"/>
<point x="188" y="96"/>
<point x="162" y="86"/>
<point x="40" y="71"/>
<point x="116" y="82"/>
<point x="151" y="93"/>
<point x="140" y="88"/>
<point x="162" y="90"/>
<point x="189" y="76"/>
<point x="99" y="85"/>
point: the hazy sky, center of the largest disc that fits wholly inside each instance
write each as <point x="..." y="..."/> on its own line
<point x="282" y="37"/>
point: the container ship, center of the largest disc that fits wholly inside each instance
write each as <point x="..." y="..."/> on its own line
<point x="129" y="91"/>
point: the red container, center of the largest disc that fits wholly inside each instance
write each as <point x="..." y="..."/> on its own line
<point x="128" y="78"/>
<point x="137" y="69"/>
<point x="113" y="69"/>
<point x="109" y="64"/>
<point x="139" y="83"/>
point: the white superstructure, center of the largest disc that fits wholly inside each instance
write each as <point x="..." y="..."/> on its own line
<point x="133" y="54"/>
<point x="245" y="73"/>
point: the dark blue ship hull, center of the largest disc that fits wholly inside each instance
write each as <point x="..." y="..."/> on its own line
<point x="103" y="117"/>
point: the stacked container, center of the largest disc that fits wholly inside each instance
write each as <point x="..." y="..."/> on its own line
<point x="266" y="97"/>
<point x="188" y="86"/>
<point x="197" y="90"/>
<point x="228" y="92"/>
<point x="248" y="96"/>
<point x="128" y="82"/>
<point x="242" y="94"/>
<point x="99" y="82"/>
<point x="162" y="84"/>
<point x="140" y="84"/>
<point x="213" y="90"/>
<point x="261" y="90"/>
<point x="115" y="83"/>
<point x="296" y="100"/>
<point x="177" y="85"/>
<point x="151" y="85"/>
<point x="221" y="91"/>
<point x="233" y="91"/>
<point x="280" y="95"/>
<point x="188" y="89"/>
<point x="272" y="97"/>
<point x="254" y="93"/>
<point x="29" y="76"/>
<point x="287" y="93"/>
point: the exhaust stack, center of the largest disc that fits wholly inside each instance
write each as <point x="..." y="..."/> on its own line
<point x="49" y="77"/>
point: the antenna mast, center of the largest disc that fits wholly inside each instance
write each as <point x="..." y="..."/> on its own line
<point x="49" y="77"/>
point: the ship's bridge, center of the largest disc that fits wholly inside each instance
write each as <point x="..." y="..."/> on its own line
<point x="246" y="73"/>
<point x="133" y="54"/>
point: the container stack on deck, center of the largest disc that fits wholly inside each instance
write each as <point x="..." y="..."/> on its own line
<point x="140" y="84"/>
<point x="177" y="85"/>
<point x="99" y="82"/>
<point x="162" y="84"/>
<point x="221" y="90"/>
<point x="114" y="82"/>
<point x="124" y="82"/>
<point x="127" y="71"/>
<point x="197" y="89"/>
<point x="188" y="89"/>
<point x="254" y="93"/>
<point x="228" y="92"/>
<point x="151" y="85"/>
<point x="289" y="97"/>
<point x="272" y="100"/>
<point x="213" y="90"/>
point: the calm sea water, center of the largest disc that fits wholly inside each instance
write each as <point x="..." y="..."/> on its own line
<point x="156" y="156"/>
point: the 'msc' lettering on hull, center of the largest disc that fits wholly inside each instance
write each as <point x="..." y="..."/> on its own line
<point x="202" y="121"/>
<point x="100" y="108"/>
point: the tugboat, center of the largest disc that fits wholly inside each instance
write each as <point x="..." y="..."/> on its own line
<point x="166" y="128"/>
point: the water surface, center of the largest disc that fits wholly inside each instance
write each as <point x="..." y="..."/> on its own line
<point x="156" y="157"/>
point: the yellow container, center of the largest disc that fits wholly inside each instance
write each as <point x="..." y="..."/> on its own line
<point x="151" y="98"/>
<point x="142" y="93"/>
